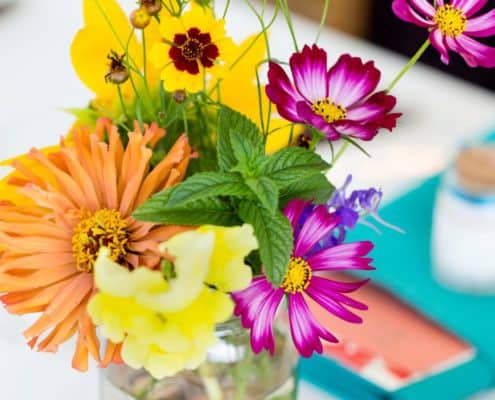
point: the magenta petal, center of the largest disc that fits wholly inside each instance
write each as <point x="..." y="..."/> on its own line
<point x="424" y="7"/>
<point x="342" y="257"/>
<point x="374" y="107"/>
<point x="293" y="211"/>
<point x="321" y="291"/>
<point x="405" y="12"/>
<point x="306" y="331"/>
<point x="282" y="93"/>
<point x="437" y="40"/>
<point x="262" y="330"/>
<point x="319" y="223"/>
<point x="306" y="113"/>
<point x="481" y="26"/>
<point x="355" y="129"/>
<point x="469" y="7"/>
<point x="309" y="69"/>
<point x="250" y="300"/>
<point x="475" y="53"/>
<point x="351" y="81"/>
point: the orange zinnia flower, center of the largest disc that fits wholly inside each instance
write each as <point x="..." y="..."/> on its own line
<point x="75" y="200"/>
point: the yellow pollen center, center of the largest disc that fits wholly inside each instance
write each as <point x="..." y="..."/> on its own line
<point x="297" y="277"/>
<point x="104" y="228"/>
<point x="451" y="21"/>
<point x="330" y="111"/>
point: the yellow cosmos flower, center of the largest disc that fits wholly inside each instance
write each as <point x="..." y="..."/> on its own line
<point x="194" y="46"/>
<point x="241" y="79"/>
<point x="166" y="326"/>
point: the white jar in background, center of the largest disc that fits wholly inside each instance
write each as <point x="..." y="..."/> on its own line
<point x="463" y="234"/>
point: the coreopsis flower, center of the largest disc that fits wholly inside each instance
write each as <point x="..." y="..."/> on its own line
<point x="194" y="47"/>
<point x="70" y="202"/>
<point x="338" y="101"/>
<point x="452" y="27"/>
<point x="258" y="304"/>
<point x="168" y="324"/>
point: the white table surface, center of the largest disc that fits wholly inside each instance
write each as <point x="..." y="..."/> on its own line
<point x="37" y="82"/>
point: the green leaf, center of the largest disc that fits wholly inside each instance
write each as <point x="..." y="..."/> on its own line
<point x="316" y="188"/>
<point x="209" y="184"/>
<point x="248" y="153"/>
<point x="231" y="121"/>
<point x="275" y="238"/>
<point x="209" y="210"/>
<point x="86" y="116"/>
<point x="266" y="191"/>
<point x="293" y="164"/>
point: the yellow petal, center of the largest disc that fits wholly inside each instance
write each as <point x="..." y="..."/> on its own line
<point x="115" y="280"/>
<point x="193" y="252"/>
<point x="159" y="55"/>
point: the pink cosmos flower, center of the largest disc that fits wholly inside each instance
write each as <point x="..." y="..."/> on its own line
<point x="258" y="304"/>
<point x="452" y="27"/>
<point x="338" y="101"/>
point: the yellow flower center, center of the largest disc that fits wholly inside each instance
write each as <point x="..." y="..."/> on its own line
<point x="297" y="277"/>
<point x="103" y="228"/>
<point x="330" y="111"/>
<point x="451" y="21"/>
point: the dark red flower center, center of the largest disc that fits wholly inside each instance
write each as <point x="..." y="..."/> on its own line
<point x="193" y="49"/>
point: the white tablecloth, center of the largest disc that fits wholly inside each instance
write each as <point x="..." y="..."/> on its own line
<point x="37" y="82"/>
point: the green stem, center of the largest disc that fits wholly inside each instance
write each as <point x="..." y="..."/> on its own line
<point x="122" y="103"/>
<point x="286" y="11"/>
<point x="341" y="152"/>
<point x="145" y="68"/>
<point x="409" y="65"/>
<point x="226" y="9"/>
<point x="323" y="20"/>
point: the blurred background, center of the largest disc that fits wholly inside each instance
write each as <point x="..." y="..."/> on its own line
<point x="373" y="20"/>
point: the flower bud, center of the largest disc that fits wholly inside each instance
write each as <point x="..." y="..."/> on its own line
<point x="153" y="7"/>
<point x="140" y="18"/>
<point x="117" y="72"/>
<point x="180" y="96"/>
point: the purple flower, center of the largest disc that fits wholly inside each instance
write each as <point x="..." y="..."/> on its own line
<point x="258" y="304"/>
<point x="452" y="27"/>
<point x="356" y="206"/>
<point x="338" y="101"/>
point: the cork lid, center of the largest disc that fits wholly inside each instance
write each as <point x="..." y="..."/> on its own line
<point x="475" y="169"/>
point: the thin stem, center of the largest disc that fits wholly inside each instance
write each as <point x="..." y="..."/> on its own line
<point x="286" y="11"/>
<point x="341" y="152"/>
<point x="122" y="103"/>
<point x="409" y="65"/>
<point x="226" y="9"/>
<point x="323" y="20"/>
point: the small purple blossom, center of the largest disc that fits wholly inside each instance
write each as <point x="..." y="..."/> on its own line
<point x="359" y="204"/>
<point x="257" y="305"/>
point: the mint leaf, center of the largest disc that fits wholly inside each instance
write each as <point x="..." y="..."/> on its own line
<point x="290" y="165"/>
<point x="209" y="184"/>
<point x="209" y="210"/>
<point x="248" y="152"/>
<point x="275" y="238"/>
<point x="266" y="191"/>
<point x="316" y="188"/>
<point x="232" y="121"/>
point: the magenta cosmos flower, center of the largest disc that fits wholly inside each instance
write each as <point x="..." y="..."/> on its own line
<point x="338" y="101"/>
<point x="258" y="304"/>
<point x="452" y="27"/>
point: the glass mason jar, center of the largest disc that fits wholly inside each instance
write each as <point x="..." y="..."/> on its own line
<point x="231" y="372"/>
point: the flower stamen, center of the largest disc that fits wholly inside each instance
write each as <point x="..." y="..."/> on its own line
<point x="297" y="277"/>
<point x="329" y="110"/>
<point x="451" y="21"/>
<point x="103" y="228"/>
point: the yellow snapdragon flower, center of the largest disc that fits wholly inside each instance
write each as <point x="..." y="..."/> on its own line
<point x="168" y="325"/>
